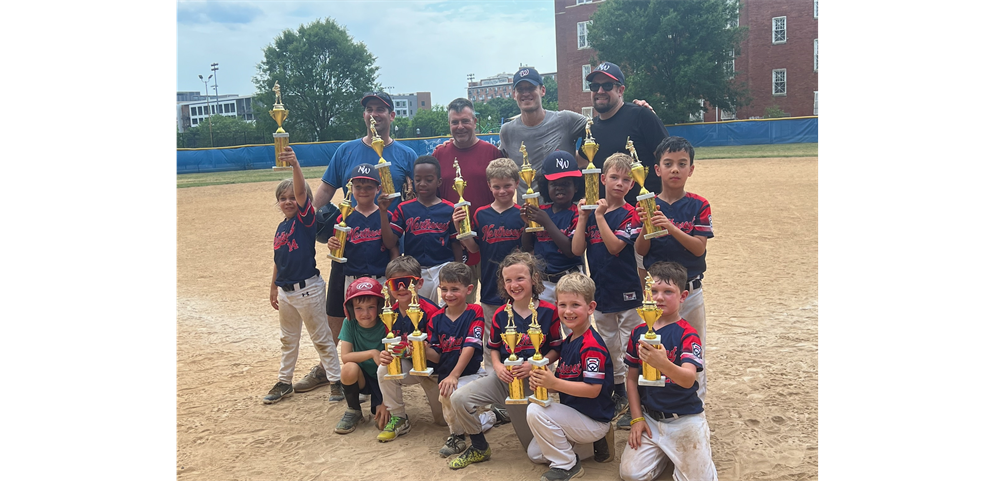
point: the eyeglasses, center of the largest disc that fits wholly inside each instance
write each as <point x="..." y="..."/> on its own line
<point x="608" y="86"/>
<point x="404" y="282"/>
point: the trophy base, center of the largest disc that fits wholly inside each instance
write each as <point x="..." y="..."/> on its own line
<point x="534" y="229"/>
<point x="649" y="195"/>
<point x="394" y="195"/>
<point x="282" y="169"/>
<point x="541" y="402"/>
<point x="645" y="382"/>
<point x="382" y="165"/>
<point x="515" y="401"/>
<point x="395" y="376"/>
<point x="590" y="171"/>
<point x="468" y="234"/>
<point x="589" y="207"/>
<point x="427" y="372"/>
<point x="340" y="260"/>
<point x="654" y="235"/>
<point x="461" y="204"/>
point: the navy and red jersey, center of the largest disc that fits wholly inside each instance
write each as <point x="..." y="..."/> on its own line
<point x="448" y="337"/>
<point x="293" y="247"/>
<point x="544" y="248"/>
<point x="682" y="344"/>
<point x="691" y="214"/>
<point x="364" y="245"/>
<point x="619" y="287"/>
<point x="427" y="231"/>
<point x="549" y="322"/>
<point x="498" y="234"/>
<point x="586" y="359"/>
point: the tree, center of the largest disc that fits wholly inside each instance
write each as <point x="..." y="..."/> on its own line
<point x="673" y="52"/>
<point x="505" y="108"/>
<point x="225" y="131"/>
<point x="550" y="101"/>
<point x="430" y="123"/>
<point x="322" y="75"/>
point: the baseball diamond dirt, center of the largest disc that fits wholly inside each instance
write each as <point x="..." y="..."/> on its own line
<point x="761" y="298"/>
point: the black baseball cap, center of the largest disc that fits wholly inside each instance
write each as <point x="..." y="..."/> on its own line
<point x="527" y="74"/>
<point x="378" y="95"/>
<point x="610" y="70"/>
<point x="365" y="171"/>
<point x="560" y="164"/>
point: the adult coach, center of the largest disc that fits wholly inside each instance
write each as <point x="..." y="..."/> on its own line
<point x="377" y="106"/>
<point x="472" y="153"/>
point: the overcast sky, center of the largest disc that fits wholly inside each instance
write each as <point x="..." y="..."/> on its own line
<point x="427" y="46"/>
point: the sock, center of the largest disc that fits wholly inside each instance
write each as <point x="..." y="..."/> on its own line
<point x="478" y="441"/>
<point x="351" y="392"/>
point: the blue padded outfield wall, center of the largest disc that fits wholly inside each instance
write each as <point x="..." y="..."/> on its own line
<point x="735" y="132"/>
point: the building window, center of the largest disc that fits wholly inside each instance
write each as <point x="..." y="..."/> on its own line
<point x="585" y="70"/>
<point x="779" y="29"/>
<point x="581" y="2"/>
<point x="582" y="35"/>
<point x="728" y="114"/>
<point x="700" y="116"/>
<point x="422" y="103"/>
<point x="587" y="111"/>
<point x="816" y="55"/>
<point x="730" y="65"/>
<point x="816" y="8"/>
<point x="815" y="108"/>
<point x="228" y="108"/>
<point x="780" y="81"/>
<point x="194" y="121"/>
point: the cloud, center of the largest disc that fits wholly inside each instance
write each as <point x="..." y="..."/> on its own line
<point x="216" y="12"/>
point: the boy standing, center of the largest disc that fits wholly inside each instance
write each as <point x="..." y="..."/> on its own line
<point x="669" y="420"/>
<point x="361" y="335"/>
<point x="367" y="254"/>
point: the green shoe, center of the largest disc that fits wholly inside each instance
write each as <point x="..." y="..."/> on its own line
<point x="394" y="428"/>
<point x="455" y="444"/>
<point x="470" y="456"/>
<point x="350" y="420"/>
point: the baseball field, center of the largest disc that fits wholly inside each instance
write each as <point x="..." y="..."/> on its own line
<point x="761" y="298"/>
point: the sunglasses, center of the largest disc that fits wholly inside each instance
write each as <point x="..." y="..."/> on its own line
<point x="608" y="86"/>
<point x="404" y="282"/>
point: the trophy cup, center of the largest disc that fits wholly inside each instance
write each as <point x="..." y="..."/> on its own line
<point x="650" y="313"/>
<point x="591" y="177"/>
<point x="645" y="198"/>
<point x="510" y="337"/>
<point x="386" y="181"/>
<point x="458" y="186"/>
<point x="281" y="138"/>
<point x="531" y="197"/>
<point x="341" y="229"/>
<point x="388" y="316"/>
<point x="541" y="395"/>
<point x="417" y="339"/>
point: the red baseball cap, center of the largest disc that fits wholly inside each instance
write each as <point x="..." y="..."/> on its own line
<point x="364" y="286"/>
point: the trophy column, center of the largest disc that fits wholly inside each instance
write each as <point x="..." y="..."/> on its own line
<point x="383" y="167"/>
<point x="646" y="198"/>
<point x="281" y="138"/>
<point x="459" y="185"/>
<point x="650" y="313"/>
<point x="541" y="395"/>
<point x="591" y="173"/>
<point x="510" y="337"/>
<point x="417" y="338"/>
<point x="341" y="229"/>
<point x="388" y="316"/>
<point x="531" y="197"/>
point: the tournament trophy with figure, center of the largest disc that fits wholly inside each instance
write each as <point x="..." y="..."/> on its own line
<point x="281" y="138"/>
<point x="650" y="313"/>
<point x="591" y="173"/>
<point x="510" y="337"/>
<point x="531" y="197"/>
<point x="645" y="198"/>
<point x="386" y="180"/>
<point x="541" y="395"/>
<point x="388" y="316"/>
<point x="458" y="185"/>
<point x="417" y="339"/>
<point x="341" y="229"/>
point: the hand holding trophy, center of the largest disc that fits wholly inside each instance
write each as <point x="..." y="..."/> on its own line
<point x="541" y="395"/>
<point x="281" y="138"/>
<point x="417" y="339"/>
<point x="531" y="197"/>
<point x="388" y="316"/>
<point x="341" y="229"/>
<point x="650" y="313"/>
<point x="459" y="184"/>
<point x="386" y="180"/>
<point x="591" y="177"/>
<point x="510" y="337"/>
<point x="646" y="199"/>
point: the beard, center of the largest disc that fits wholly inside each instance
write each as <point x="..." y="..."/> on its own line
<point x="605" y="108"/>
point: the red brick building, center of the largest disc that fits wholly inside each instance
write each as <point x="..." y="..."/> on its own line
<point x="778" y="58"/>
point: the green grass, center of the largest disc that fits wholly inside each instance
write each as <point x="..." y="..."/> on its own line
<point x="734" y="152"/>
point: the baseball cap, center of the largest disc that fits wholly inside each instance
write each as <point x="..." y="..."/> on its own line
<point x="364" y="286"/>
<point x="608" y="69"/>
<point x="560" y="164"/>
<point x="527" y="74"/>
<point x="378" y="95"/>
<point x="365" y="171"/>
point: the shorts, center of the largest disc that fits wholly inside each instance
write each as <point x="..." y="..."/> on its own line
<point x="336" y="291"/>
<point x="372" y="389"/>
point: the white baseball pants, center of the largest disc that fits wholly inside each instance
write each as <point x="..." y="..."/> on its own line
<point x="683" y="440"/>
<point x="306" y="305"/>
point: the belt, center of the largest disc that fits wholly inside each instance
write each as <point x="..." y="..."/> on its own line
<point x="556" y="277"/>
<point x="693" y="284"/>
<point x="291" y="287"/>
<point x="659" y="416"/>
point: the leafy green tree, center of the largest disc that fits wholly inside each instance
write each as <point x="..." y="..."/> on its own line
<point x="550" y="101"/>
<point x="483" y="111"/>
<point x="506" y="108"/>
<point x="431" y="123"/>
<point x="221" y="131"/>
<point x="322" y="74"/>
<point x="673" y="52"/>
<point x="774" y="112"/>
<point x="402" y="128"/>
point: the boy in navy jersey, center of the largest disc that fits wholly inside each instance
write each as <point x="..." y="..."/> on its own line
<point x="297" y="290"/>
<point x="427" y="226"/>
<point x="687" y="218"/>
<point x="609" y="241"/>
<point x="669" y="420"/>
<point x="584" y="379"/>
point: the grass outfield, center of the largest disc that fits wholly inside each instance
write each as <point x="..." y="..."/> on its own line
<point x="733" y="152"/>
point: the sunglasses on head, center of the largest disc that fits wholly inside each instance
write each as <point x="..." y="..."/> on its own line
<point x="594" y="86"/>
<point x="404" y="282"/>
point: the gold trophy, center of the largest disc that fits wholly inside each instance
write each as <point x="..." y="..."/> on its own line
<point x="341" y="229"/>
<point x="458" y="186"/>
<point x="281" y="138"/>
<point x="510" y="337"/>
<point x="531" y="197"/>
<point x="388" y="316"/>
<point x="541" y="396"/>
<point x="591" y="177"/>
<point x="645" y="198"/>
<point x="386" y="181"/>
<point x="417" y="339"/>
<point x="650" y="313"/>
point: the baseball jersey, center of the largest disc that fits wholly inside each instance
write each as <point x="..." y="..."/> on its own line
<point x="364" y="245"/>
<point x="355" y="152"/>
<point x="585" y="359"/>
<point x="364" y="339"/>
<point x="691" y="214"/>
<point x="293" y="247"/>
<point x="498" y="234"/>
<point x="544" y="247"/>
<point x="403" y="326"/>
<point x="448" y="337"/>
<point x="549" y="322"/>
<point x="473" y="165"/>
<point x="427" y="231"/>
<point x="619" y="288"/>
<point x="682" y="344"/>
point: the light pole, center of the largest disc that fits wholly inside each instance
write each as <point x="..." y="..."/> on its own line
<point x="207" y="93"/>
<point x="214" y="68"/>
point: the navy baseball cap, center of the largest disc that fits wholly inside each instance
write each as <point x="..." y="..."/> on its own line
<point x="560" y="164"/>
<point x="378" y="95"/>
<point x="610" y="70"/>
<point x="365" y="171"/>
<point x="527" y="74"/>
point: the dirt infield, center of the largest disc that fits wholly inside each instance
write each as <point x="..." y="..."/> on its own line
<point x="761" y="297"/>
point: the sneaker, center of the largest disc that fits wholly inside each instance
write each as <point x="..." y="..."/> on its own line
<point x="312" y="380"/>
<point x="279" y="391"/>
<point x="501" y="415"/>
<point x="557" y="474"/>
<point x="623" y="421"/>
<point x="604" y="448"/>
<point x="454" y="445"/>
<point x="395" y="427"/>
<point x="621" y="404"/>
<point x="470" y="456"/>
<point x="337" y="394"/>
<point x="350" y="420"/>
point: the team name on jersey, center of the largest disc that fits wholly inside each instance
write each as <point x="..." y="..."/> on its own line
<point x="686" y="226"/>
<point x="364" y="235"/>
<point x="492" y="234"/>
<point x="594" y="234"/>
<point x="568" y="371"/>
<point x="281" y="240"/>
<point x="543" y="236"/>
<point x="418" y="226"/>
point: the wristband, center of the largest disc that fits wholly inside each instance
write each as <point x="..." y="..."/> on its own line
<point x="636" y="420"/>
